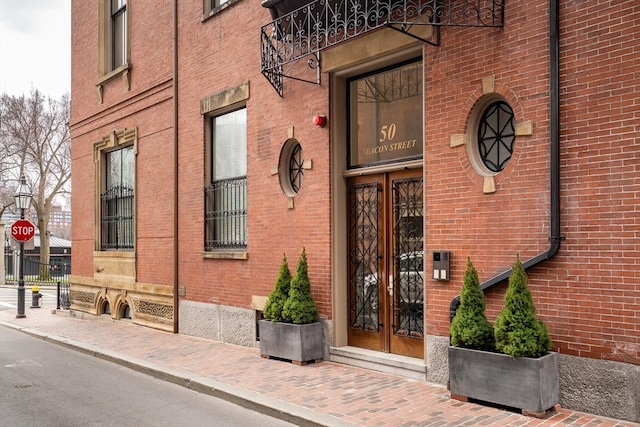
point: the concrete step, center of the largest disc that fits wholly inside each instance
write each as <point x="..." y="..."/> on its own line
<point x="382" y="362"/>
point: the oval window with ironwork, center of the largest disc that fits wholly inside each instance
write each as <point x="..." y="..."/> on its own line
<point x="496" y="135"/>
<point x="291" y="167"/>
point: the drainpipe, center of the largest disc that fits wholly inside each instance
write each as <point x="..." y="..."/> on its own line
<point x="175" y="168"/>
<point x="554" y="155"/>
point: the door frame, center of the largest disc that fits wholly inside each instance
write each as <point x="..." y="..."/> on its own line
<point x="344" y="66"/>
<point x="377" y="261"/>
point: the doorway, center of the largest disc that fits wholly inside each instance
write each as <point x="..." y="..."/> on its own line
<point x="386" y="262"/>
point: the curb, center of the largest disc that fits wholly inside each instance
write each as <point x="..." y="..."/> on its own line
<point x="275" y="408"/>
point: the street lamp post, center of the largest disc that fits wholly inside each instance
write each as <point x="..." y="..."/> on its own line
<point x="23" y="201"/>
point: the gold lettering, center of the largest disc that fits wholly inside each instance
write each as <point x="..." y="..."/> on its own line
<point x="402" y="145"/>
<point x="394" y="146"/>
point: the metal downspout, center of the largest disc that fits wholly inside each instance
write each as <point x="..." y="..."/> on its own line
<point x="554" y="155"/>
<point x="175" y="168"/>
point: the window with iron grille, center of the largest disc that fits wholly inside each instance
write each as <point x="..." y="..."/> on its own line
<point x="496" y="135"/>
<point x="118" y="33"/>
<point x="226" y="194"/>
<point x="117" y="201"/>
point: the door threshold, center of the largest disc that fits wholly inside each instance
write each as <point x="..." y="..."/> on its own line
<point x="396" y="364"/>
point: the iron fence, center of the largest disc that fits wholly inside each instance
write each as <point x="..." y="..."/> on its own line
<point x="64" y="302"/>
<point x="42" y="275"/>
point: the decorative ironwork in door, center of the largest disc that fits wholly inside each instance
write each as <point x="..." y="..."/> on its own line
<point x="364" y="257"/>
<point x="386" y="268"/>
<point x="407" y="286"/>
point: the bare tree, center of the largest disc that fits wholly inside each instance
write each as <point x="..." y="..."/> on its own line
<point x="34" y="134"/>
<point x="8" y="156"/>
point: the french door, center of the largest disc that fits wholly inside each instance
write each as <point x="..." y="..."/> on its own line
<point x="386" y="262"/>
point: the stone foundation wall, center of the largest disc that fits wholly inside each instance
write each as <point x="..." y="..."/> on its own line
<point x="228" y="324"/>
<point x="600" y="387"/>
<point x="220" y="323"/>
<point x="147" y="304"/>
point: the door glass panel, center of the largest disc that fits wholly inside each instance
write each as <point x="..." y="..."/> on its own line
<point x="364" y="262"/>
<point x="385" y="116"/>
<point x="408" y="258"/>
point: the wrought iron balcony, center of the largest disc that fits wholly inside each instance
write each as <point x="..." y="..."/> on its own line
<point x="302" y="28"/>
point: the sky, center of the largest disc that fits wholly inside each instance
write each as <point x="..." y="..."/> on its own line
<point x="35" y="47"/>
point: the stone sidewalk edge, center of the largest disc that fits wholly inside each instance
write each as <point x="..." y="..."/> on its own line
<point x="251" y="400"/>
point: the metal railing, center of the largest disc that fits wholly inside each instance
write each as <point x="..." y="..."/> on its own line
<point x="62" y="293"/>
<point x="305" y="31"/>
<point x="43" y="276"/>
<point x="226" y="214"/>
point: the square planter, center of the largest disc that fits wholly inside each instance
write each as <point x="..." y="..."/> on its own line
<point x="298" y="343"/>
<point x="532" y="385"/>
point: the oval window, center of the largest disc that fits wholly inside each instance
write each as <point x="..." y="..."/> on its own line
<point x="291" y="167"/>
<point x="496" y="135"/>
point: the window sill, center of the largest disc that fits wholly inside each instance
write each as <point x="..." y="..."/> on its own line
<point x="122" y="70"/>
<point x="225" y="254"/>
<point x="113" y="74"/>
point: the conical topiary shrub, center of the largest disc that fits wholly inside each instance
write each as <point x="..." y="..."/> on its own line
<point x="275" y="302"/>
<point x="518" y="332"/>
<point x="300" y="308"/>
<point x="470" y="327"/>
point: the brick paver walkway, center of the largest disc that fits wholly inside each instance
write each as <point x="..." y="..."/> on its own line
<point x="325" y="393"/>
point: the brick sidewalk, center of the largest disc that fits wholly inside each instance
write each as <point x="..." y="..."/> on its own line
<point x="326" y="393"/>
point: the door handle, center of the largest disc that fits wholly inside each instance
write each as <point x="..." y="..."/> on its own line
<point x="390" y="286"/>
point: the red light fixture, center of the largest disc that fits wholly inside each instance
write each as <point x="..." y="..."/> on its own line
<point x="320" y="120"/>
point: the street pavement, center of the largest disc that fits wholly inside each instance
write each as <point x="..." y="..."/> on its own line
<point x="9" y="296"/>
<point x="320" y="394"/>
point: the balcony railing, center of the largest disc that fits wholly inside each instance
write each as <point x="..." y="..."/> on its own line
<point x="303" y="28"/>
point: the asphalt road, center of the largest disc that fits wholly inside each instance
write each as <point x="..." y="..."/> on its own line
<point x="44" y="384"/>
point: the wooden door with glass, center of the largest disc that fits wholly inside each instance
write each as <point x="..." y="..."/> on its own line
<point x="386" y="267"/>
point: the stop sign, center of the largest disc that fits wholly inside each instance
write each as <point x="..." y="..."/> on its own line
<point x="23" y="230"/>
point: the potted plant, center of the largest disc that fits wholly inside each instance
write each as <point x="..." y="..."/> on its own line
<point x="521" y="372"/>
<point x="291" y="330"/>
<point x="275" y="302"/>
<point x="470" y="327"/>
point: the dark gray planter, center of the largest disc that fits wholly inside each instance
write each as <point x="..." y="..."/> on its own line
<point x="298" y="343"/>
<point x="520" y="382"/>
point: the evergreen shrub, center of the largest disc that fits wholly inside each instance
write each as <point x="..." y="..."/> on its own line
<point x="275" y="302"/>
<point x="518" y="332"/>
<point x="300" y="308"/>
<point x="470" y="327"/>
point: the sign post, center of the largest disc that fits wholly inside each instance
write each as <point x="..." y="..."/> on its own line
<point x="22" y="230"/>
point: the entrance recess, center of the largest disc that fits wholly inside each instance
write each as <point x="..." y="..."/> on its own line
<point x="386" y="268"/>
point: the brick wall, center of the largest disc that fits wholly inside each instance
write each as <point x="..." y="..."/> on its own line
<point x="218" y="54"/>
<point x="146" y="105"/>
<point x="589" y="294"/>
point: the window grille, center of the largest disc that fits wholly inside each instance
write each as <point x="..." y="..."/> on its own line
<point x="296" y="168"/>
<point x="226" y="214"/>
<point x="496" y="135"/>
<point x="116" y="219"/>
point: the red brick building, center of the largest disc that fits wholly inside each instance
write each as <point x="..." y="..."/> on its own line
<point x="449" y="133"/>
